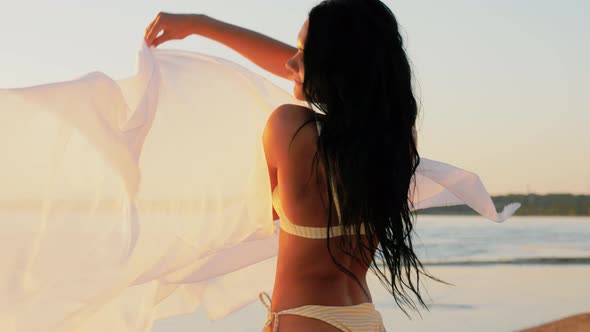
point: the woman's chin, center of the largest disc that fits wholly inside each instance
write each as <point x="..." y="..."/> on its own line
<point x="298" y="94"/>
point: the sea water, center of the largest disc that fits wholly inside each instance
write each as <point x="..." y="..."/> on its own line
<point x="449" y="240"/>
<point x="473" y="240"/>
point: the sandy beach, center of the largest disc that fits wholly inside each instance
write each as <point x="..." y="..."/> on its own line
<point x="497" y="298"/>
<point x="575" y="323"/>
<point x="491" y="298"/>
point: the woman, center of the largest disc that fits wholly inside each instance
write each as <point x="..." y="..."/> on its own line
<point x="341" y="191"/>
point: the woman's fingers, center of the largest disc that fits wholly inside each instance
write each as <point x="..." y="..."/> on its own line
<point x="154" y="29"/>
<point x="148" y="30"/>
<point x="171" y="26"/>
<point x="166" y="36"/>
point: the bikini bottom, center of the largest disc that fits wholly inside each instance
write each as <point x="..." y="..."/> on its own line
<point x="356" y="318"/>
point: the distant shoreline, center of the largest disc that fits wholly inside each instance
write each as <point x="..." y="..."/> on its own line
<point x="557" y="205"/>
<point x="562" y="205"/>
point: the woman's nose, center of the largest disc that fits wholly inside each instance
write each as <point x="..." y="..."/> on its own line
<point x="291" y="65"/>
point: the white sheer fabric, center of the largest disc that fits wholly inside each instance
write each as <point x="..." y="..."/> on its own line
<point x="127" y="201"/>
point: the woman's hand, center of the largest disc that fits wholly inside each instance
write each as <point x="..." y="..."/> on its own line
<point x="172" y="26"/>
<point x="268" y="53"/>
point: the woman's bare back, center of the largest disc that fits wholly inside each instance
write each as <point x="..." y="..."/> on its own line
<point x="306" y="273"/>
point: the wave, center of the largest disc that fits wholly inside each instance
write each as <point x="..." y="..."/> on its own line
<point x="505" y="261"/>
<point x="511" y="261"/>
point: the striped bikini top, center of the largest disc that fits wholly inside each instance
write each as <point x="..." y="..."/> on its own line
<point x="306" y="231"/>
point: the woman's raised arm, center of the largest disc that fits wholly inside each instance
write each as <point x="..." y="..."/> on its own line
<point x="268" y="53"/>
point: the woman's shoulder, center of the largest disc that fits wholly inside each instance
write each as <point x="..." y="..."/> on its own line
<point x="290" y="130"/>
<point x="289" y="115"/>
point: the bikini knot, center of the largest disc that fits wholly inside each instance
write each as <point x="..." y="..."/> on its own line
<point x="267" y="302"/>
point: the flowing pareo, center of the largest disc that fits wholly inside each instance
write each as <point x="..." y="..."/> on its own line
<point x="126" y="201"/>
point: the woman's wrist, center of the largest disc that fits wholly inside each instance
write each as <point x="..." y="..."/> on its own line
<point x="197" y="22"/>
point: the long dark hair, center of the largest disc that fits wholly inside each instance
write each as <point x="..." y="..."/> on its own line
<point x="357" y="75"/>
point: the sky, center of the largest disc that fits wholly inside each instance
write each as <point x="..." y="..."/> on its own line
<point x="502" y="84"/>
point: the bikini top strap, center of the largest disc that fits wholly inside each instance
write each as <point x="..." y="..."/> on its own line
<point x="317" y="123"/>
